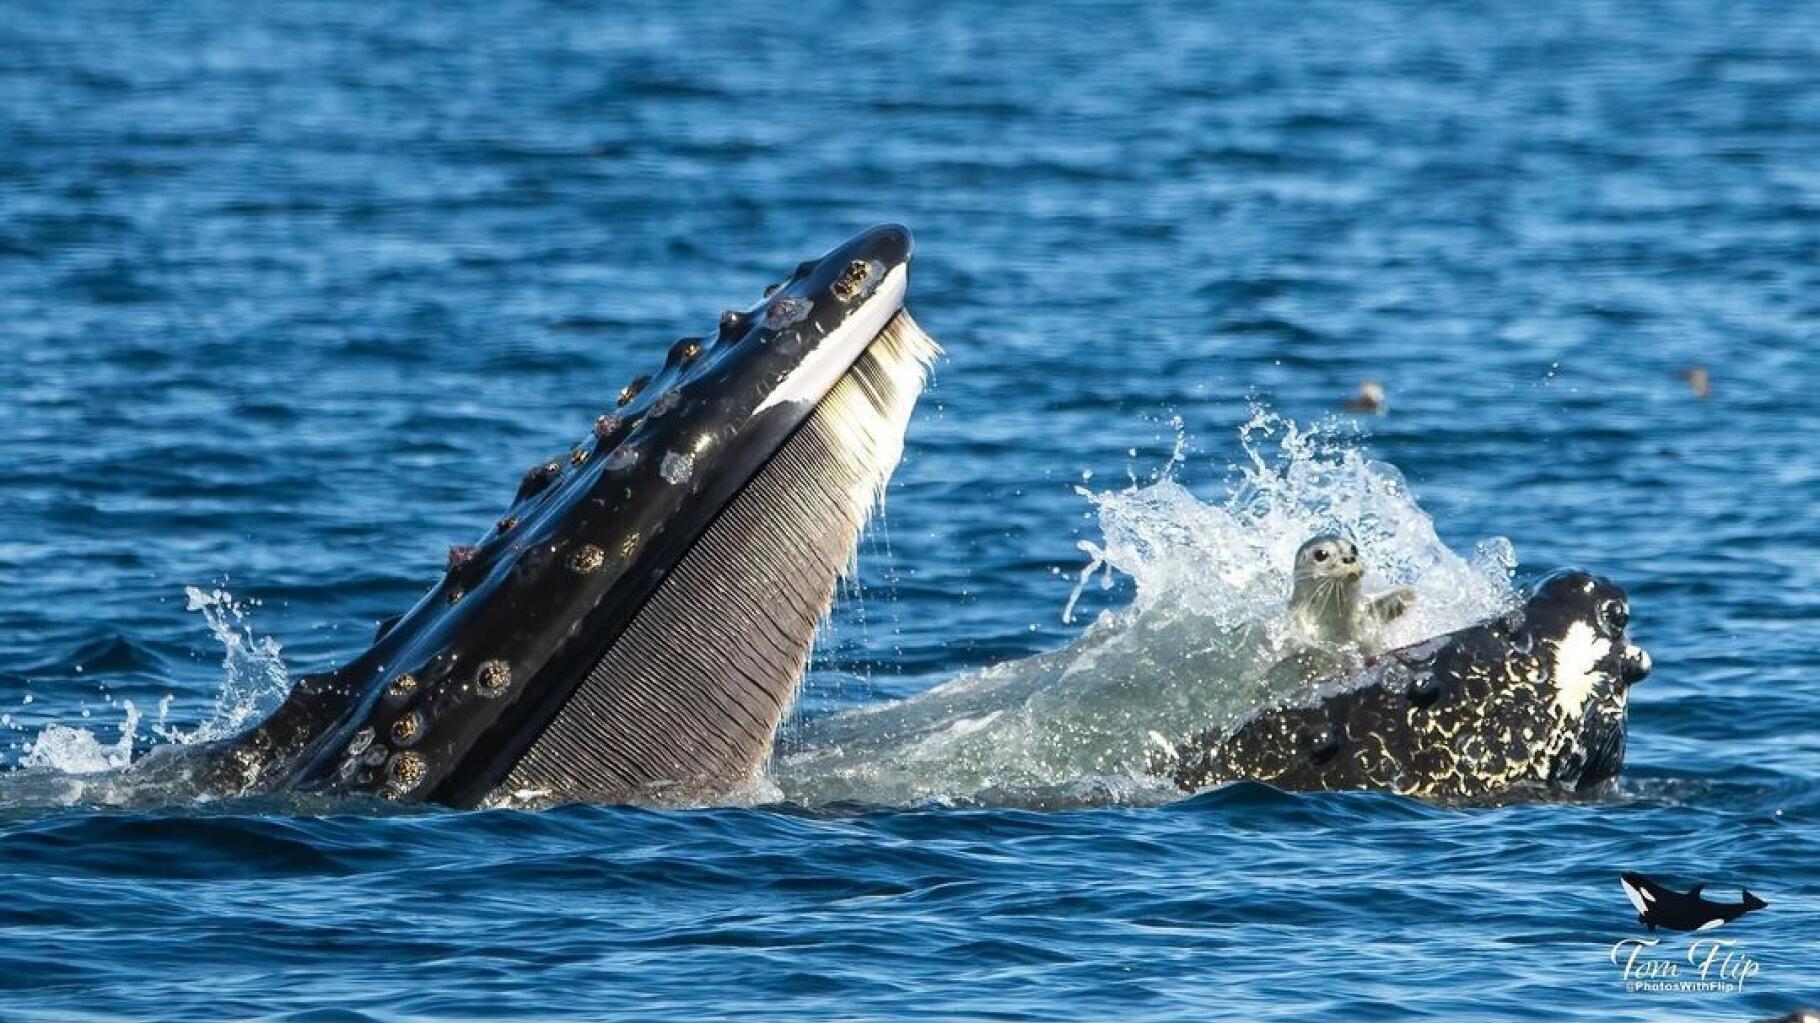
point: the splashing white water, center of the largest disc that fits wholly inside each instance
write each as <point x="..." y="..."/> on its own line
<point x="1231" y="562"/>
<point x="81" y="751"/>
<point x="1194" y="649"/>
<point x="253" y="679"/>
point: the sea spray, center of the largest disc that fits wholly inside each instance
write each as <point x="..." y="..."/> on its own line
<point x="1194" y="649"/>
<point x="67" y="764"/>
<point x="253" y="676"/>
<point x="73" y="750"/>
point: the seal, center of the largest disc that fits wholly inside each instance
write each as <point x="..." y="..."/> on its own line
<point x="1369" y="398"/>
<point x="633" y="627"/>
<point x="1326" y="606"/>
<point x="1534" y="701"/>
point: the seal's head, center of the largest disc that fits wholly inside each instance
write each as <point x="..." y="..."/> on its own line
<point x="1328" y="557"/>
<point x="1324" y="602"/>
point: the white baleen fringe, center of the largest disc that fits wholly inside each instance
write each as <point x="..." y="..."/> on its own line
<point x="864" y="415"/>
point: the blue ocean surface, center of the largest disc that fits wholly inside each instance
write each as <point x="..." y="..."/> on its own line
<point x="292" y="293"/>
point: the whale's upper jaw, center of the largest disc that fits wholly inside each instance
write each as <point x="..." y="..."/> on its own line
<point x="726" y="490"/>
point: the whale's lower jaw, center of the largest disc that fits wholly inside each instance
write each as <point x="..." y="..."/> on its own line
<point x="1530" y="703"/>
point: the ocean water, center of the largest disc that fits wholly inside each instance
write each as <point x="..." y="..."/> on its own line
<point x="290" y="295"/>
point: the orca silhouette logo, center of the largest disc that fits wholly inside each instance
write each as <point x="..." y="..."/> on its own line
<point x="1658" y="906"/>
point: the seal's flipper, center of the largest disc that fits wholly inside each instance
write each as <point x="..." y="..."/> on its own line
<point x="1389" y="606"/>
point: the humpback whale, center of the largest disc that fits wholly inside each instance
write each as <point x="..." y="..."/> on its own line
<point x="633" y="627"/>
<point x="1532" y="701"/>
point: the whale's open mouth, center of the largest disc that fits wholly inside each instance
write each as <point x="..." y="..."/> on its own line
<point x="634" y="626"/>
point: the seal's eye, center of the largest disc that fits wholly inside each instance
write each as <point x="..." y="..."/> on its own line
<point x="1320" y="554"/>
<point x="1614" y="616"/>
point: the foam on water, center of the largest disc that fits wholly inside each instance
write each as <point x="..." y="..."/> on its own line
<point x="71" y="764"/>
<point x="75" y="750"/>
<point x="1192" y="651"/>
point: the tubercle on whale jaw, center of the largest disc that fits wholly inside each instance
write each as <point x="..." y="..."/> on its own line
<point x="733" y="325"/>
<point x="642" y="399"/>
<point x="608" y="426"/>
<point x="632" y="390"/>
<point x="858" y="280"/>
<point x="685" y="351"/>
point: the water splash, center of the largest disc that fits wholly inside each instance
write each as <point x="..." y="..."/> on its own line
<point x="1193" y="650"/>
<point x="79" y="750"/>
<point x="68" y="764"/>
<point x="253" y="678"/>
<point x="1230" y="562"/>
